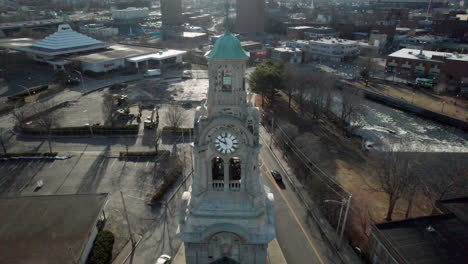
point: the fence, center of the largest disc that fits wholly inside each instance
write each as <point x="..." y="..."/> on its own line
<point x="83" y="131"/>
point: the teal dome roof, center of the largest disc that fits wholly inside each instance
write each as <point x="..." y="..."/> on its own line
<point x="227" y="47"/>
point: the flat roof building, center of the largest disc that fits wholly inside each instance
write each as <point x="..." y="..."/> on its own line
<point x="250" y="16"/>
<point x="435" y="239"/>
<point x="287" y="55"/>
<point x="130" y="14"/>
<point x="452" y="67"/>
<point x="171" y="12"/>
<point x="49" y="228"/>
<point x="333" y="49"/>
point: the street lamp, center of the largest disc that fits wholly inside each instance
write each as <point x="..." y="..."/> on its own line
<point x="27" y="89"/>
<point x="87" y="114"/>
<point x="82" y="80"/>
<point x="342" y="203"/>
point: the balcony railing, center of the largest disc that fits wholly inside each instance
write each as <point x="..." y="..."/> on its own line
<point x="235" y="186"/>
<point x="218" y="185"/>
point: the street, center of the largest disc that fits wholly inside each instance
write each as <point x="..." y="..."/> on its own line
<point x="296" y="231"/>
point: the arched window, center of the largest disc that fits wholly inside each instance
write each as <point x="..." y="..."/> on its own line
<point x="234" y="169"/>
<point x="217" y="169"/>
<point x="227" y="81"/>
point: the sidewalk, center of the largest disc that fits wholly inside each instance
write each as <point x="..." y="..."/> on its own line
<point x="275" y="255"/>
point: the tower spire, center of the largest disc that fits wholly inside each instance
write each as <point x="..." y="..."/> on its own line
<point x="226" y="19"/>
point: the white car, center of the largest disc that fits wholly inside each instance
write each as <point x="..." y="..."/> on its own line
<point x="152" y="73"/>
<point x="164" y="259"/>
<point x="187" y="74"/>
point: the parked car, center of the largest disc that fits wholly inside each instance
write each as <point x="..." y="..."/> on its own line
<point x="276" y="175"/>
<point x="164" y="259"/>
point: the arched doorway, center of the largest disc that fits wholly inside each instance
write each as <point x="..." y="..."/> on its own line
<point x="224" y="247"/>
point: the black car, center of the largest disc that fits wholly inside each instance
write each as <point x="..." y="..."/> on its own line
<point x="276" y="175"/>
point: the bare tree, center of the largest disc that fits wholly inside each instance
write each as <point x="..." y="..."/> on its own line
<point x="446" y="177"/>
<point x="393" y="175"/>
<point x="155" y="141"/>
<point x="109" y="109"/>
<point x="284" y="135"/>
<point x="320" y="92"/>
<point x="46" y="120"/>
<point x="351" y="109"/>
<point x="3" y="140"/>
<point x="298" y="84"/>
<point x="367" y="66"/>
<point x="175" y="116"/>
<point x="366" y="219"/>
<point x="20" y="115"/>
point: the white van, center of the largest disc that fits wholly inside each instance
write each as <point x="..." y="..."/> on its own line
<point x="152" y="73"/>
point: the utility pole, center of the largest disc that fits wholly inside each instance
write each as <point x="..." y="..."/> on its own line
<point x="128" y="223"/>
<point x="272" y="130"/>
<point x="343" y="226"/>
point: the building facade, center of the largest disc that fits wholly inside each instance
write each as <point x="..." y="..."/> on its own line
<point x="228" y="215"/>
<point x="171" y="12"/>
<point x="432" y="64"/>
<point x="250" y="16"/>
<point x="332" y="49"/>
<point x="320" y="32"/>
<point x="287" y="55"/>
<point x="130" y="14"/>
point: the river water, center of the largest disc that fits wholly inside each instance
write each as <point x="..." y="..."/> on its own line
<point x="388" y="125"/>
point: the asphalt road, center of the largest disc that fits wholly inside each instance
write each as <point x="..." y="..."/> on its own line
<point x="297" y="233"/>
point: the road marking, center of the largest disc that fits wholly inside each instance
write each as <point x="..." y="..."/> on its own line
<point x="51" y="164"/>
<point x="293" y="213"/>
<point x="112" y="164"/>
<point x="147" y="163"/>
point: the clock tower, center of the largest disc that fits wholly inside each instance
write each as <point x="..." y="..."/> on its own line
<point x="227" y="216"/>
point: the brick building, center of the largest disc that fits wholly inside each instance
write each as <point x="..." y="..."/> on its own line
<point x="453" y="67"/>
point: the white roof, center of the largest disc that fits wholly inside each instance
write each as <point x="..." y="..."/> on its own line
<point x="427" y="55"/>
<point x="333" y="41"/>
<point x="66" y="40"/>
<point x="160" y="55"/>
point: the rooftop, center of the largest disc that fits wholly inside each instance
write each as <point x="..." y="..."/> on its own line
<point x="49" y="228"/>
<point x="300" y="28"/>
<point x="114" y="52"/>
<point x="288" y="49"/>
<point x="333" y="41"/>
<point x="160" y="55"/>
<point x="66" y="40"/>
<point x="427" y="55"/>
<point x="426" y="240"/>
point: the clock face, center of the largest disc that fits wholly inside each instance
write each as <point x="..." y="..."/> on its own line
<point x="226" y="143"/>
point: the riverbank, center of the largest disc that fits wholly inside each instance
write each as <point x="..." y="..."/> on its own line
<point x="442" y="109"/>
<point x="341" y="158"/>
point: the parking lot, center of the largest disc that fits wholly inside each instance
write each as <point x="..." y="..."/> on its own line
<point x="96" y="172"/>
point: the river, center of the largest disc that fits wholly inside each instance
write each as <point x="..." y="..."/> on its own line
<point x="381" y="123"/>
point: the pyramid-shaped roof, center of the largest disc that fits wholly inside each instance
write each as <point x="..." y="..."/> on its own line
<point x="66" y="40"/>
